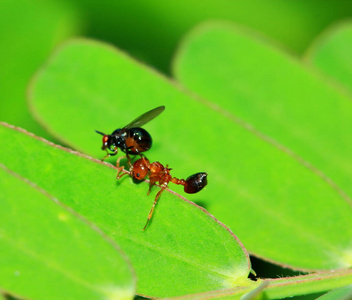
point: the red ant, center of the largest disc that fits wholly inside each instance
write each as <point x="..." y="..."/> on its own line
<point x="158" y="173"/>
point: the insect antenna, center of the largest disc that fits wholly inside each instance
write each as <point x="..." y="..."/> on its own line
<point x="99" y="132"/>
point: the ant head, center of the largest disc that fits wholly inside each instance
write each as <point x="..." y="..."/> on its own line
<point x="196" y="183"/>
<point x="106" y="140"/>
<point x="140" y="168"/>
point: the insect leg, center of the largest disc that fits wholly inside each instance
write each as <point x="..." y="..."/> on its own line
<point x="109" y="154"/>
<point x="152" y="181"/>
<point x="120" y="168"/>
<point x="152" y="209"/>
<point x="128" y="157"/>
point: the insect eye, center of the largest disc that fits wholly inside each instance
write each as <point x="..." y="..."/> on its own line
<point x="105" y="139"/>
<point x="137" y="175"/>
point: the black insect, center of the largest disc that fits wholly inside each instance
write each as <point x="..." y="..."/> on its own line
<point x="131" y="139"/>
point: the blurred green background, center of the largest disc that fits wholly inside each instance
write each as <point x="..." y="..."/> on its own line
<point x="150" y="31"/>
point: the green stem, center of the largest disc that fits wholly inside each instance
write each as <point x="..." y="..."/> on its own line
<point x="307" y="284"/>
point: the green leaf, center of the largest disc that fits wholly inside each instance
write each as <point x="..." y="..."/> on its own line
<point x="274" y="93"/>
<point x="29" y="30"/>
<point x="280" y="209"/>
<point x="152" y="29"/>
<point x="306" y="284"/>
<point x="280" y="288"/>
<point x="42" y="242"/>
<point x="275" y="97"/>
<point x="184" y="250"/>
<point x="331" y="54"/>
<point x="344" y="293"/>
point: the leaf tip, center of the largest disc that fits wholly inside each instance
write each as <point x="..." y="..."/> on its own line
<point x="118" y="293"/>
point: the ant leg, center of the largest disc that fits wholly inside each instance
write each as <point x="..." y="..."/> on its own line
<point x="150" y="188"/>
<point x="152" y="209"/>
<point x="151" y="183"/>
<point x="120" y="168"/>
<point x="118" y="161"/>
<point x="119" y="176"/>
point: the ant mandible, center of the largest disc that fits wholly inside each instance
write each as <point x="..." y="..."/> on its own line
<point x="131" y="139"/>
<point x="158" y="173"/>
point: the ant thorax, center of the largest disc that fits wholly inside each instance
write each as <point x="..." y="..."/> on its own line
<point x="156" y="167"/>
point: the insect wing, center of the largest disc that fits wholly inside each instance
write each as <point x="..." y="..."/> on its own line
<point x="146" y="117"/>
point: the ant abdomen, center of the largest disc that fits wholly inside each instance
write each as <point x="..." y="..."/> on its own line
<point x="195" y="183"/>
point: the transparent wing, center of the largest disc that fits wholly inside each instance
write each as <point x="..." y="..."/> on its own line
<point x="145" y="118"/>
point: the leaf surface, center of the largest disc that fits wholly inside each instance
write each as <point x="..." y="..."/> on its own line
<point x="29" y="31"/>
<point x="278" y="99"/>
<point x="273" y="93"/>
<point x="282" y="210"/>
<point x="161" y="24"/>
<point x="43" y="244"/>
<point x="344" y="293"/>
<point x="280" y="288"/>
<point x="331" y="54"/>
<point x="184" y="250"/>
